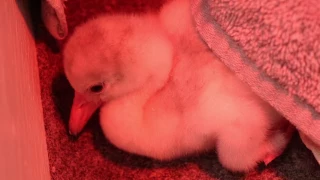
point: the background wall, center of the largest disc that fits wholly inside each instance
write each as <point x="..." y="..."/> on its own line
<point x="23" y="150"/>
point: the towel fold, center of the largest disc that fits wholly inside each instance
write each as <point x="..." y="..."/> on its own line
<point x="54" y="18"/>
<point x="274" y="46"/>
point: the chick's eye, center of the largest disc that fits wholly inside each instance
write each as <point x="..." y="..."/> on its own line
<point x="96" y="88"/>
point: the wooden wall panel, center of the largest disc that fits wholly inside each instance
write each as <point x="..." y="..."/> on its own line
<point x="23" y="151"/>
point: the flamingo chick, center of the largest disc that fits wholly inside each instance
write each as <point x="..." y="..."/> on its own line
<point x="163" y="94"/>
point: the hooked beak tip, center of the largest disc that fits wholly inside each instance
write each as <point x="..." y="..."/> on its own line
<point x="73" y="133"/>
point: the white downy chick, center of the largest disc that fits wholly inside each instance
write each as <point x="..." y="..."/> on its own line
<point x="163" y="94"/>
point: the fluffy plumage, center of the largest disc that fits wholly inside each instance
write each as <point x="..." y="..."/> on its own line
<point x="163" y="94"/>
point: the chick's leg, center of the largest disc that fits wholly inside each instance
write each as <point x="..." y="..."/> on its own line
<point x="240" y="149"/>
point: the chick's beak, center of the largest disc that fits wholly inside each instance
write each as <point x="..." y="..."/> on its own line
<point x="81" y="112"/>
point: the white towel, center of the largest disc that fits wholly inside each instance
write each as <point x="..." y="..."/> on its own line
<point x="274" y="46"/>
<point x="54" y="18"/>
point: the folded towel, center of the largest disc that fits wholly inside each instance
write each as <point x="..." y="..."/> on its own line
<point x="274" y="46"/>
<point x="54" y="18"/>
